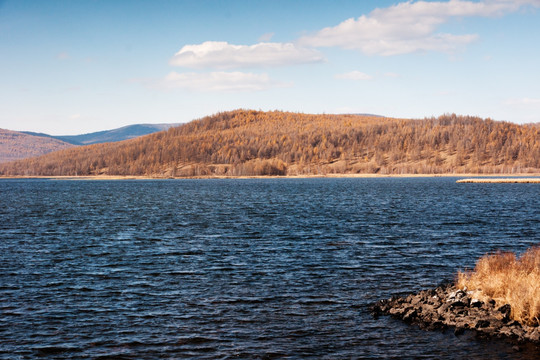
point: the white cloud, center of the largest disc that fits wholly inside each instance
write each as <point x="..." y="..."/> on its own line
<point x="219" y="81"/>
<point x="74" y="116"/>
<point x="354" y="75"/>
<point x="409" y="27"/>
<point x="523" y="101"/>
<point x="222" y="55"/>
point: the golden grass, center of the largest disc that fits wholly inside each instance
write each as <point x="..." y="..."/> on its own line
<point x="508" y="280"/>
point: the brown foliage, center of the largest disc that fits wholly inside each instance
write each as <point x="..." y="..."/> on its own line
<point x="508" y="280"/>
<point x="16" y="145"/>
<point x="247" y="142"/>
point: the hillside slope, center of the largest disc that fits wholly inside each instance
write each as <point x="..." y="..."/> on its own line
<point x="114" y="135"/>
<point x="17" y="145"/>
<point x="246" y="142"/>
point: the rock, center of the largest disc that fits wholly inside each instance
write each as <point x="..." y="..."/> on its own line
<point x="535" y="335"/>
<point x="443" y="309"/>
<point x="458" y="303"/>
<point x="410" y="315"/>
<point x="476" y="303"/>
<point x="446" y="306"/>
<point x="455" y="296"/>
<point x="518" y="332"/>
<point x="395" y="311"/>
<point x="417" y="300"/>
<point x="481" y="324"/>
<point x="505" y="310"/>
<point x="506" y="331"/>
<point x="514" y="324"/>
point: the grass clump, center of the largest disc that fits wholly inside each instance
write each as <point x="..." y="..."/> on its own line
<point x="508" y="279"/>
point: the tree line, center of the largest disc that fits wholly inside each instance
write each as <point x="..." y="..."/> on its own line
<point x="248" y="143"/>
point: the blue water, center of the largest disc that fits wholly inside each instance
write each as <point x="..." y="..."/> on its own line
<point x="277" y="268"/>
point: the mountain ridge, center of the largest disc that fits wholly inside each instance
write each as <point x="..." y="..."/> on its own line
<point x="112" y="135"/>
<point x="16" y="145"/>
<point x="253" y="143"/>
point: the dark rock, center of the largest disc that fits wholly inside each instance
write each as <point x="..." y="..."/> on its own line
<point x="481" y="324"/>
<point x="475" y="303"/>
<point x="462" y="312"/>
<point x="514" y="324"/>
<point x="410" y="315"/>
<point x="505" y="310"/>
<point x="376" y="310"/>
<point x="458" y="303"/>
<point x="439" y="325"/>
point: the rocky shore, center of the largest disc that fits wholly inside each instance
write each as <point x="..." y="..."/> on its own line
<point x="448" y="307"/>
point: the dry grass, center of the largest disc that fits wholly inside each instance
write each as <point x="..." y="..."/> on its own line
<point x="508" y="280"/>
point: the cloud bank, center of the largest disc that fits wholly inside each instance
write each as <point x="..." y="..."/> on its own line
<point x="406" y="27"/>
<point x="222" y="55"/>
<point x="219" y="81"/>
<point x="354" y="75"/>
<point x="409" y="27"/>
<point x="523" y="101"/>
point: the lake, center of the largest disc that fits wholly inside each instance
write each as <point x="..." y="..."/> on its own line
<point x="259" y="268"/>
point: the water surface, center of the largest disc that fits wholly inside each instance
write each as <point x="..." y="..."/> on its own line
<point x="277" y="268"/>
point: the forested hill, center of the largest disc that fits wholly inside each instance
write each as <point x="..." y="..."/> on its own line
<point x="246" y="142"/>
<point x="16" y="145"/>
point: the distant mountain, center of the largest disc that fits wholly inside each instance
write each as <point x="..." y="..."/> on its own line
<point x="247" y="143"/>
<point x="16" y="145"/>
<point x="114" y="135"/>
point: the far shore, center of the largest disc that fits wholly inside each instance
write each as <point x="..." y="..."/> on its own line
<point x="478" y="178"/>
<point x="501" y="181"/>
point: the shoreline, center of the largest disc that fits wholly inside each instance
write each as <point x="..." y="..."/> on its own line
<point x="500" y="181"/>
<point x="447" y="307"/>
<point x="479" y="178"/>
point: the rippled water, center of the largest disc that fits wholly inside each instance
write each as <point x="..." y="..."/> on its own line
<point x="280" y="268"/>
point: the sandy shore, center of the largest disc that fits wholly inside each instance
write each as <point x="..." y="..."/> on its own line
<point x="93" y="177"/>
<point x="486" y="178"/>
<point x="501" y="181"/>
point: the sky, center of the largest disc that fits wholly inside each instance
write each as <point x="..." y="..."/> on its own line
<point x="73" y="67"/>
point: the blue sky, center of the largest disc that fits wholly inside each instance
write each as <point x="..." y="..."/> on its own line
<point x="71" y="67"/>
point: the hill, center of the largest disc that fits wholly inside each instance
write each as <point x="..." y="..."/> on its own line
<point x="120" y="134"/>
<point x="246" y="142"/>
<point x="17" y="145"/>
